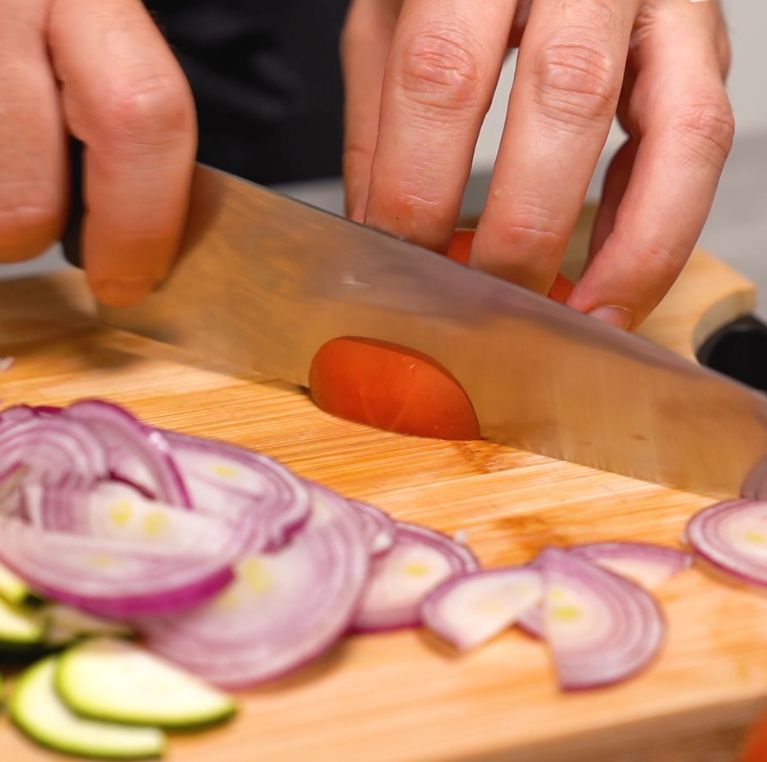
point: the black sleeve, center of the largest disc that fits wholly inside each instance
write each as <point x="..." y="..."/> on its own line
<point x="266" y="81"/>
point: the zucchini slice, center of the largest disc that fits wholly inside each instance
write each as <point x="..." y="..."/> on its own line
<point x="67" y="625"/>
<point x="117" y="681"/>
<point x="12" y="588"/>
<point x="19" y="627"/>
<point x="38" y="711"/>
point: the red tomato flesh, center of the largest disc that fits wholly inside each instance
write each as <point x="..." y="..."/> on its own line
<point x="399" y="389"/>
<point x="392" y="388"/>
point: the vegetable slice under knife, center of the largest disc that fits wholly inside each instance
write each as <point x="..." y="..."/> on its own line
<point x="470" y="609"/>
<point x="420" y="560"/>
<point x="390" y="387"/>
<point x="600" y="628"/>
<point x="115" y="681"/>
<point x="36" y="709"/>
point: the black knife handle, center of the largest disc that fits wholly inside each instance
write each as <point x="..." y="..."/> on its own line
<point x="70" y="240"/>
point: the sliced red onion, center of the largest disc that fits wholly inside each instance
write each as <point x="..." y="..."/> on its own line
<point x="420" y="560"/>
<point x="11" y="481"/>
<point x="51" y="449"/>
<point x="285" y="608"/>
<point x="243" y="486"/>
<point x="601" y="628"/>
<point x="47" y="410"/>
<point x="647" y="565"/>
<point x="117" y="512"/>
<point x="470" y="609"/>
<point x="379" y="529"/>
<point x="733" y="537"/>
<point x="134" y="451"/>
<point x="15" y="414"/>
<point x="111" y="577"/>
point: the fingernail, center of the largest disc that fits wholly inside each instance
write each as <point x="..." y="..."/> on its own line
<point x="619" y="317"/>
<point x="122" y="292"/>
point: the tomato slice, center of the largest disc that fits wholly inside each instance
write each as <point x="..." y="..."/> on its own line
<point x="392" y="388"/>
<point x="396" y="388"/>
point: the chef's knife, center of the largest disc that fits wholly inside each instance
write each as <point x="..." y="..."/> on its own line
<point x="263" y="281"/>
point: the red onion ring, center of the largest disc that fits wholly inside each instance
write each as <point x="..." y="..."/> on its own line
<point x="600" y="628"/>
<point x="243" y="486"/>
<point x="420" y="560"/>
<point x="470" y="609"/>
<point x="109" y="577"/>
<point x="285" y="609"/>
<point x="732" y="536"/>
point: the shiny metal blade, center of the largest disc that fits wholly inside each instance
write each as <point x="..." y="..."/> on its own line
<point x="264" y="281"/>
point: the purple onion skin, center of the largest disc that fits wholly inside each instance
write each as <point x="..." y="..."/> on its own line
<point x="132" y="607"/>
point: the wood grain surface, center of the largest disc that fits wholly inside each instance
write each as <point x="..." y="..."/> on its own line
<point x="402" y="697"/>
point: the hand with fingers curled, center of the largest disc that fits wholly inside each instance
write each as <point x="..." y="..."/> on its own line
<point x="421" y="74"/>
<point x="103" y="73"/>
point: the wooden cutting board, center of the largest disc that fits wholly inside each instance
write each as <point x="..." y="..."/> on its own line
<point x="400" y="697"/>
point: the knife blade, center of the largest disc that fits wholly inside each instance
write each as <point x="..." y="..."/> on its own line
<point x="263" y="281"/>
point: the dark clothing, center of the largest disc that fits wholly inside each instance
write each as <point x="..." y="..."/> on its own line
<point x="266" y="81"/>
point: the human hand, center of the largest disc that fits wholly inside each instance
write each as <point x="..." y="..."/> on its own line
<point x="420" y="76"/>
<point x="102" y="72"/>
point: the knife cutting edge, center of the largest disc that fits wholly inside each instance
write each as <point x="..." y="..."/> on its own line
<point x="263" y="281"/>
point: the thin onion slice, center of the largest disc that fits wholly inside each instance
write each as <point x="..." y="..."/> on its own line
<point x="733" y="537"/>
<point x="115" y="511"/>
<point x="470" y="609"/>
<point x="228" y="481"/>
<point x="420" y="560"/>
<point x="15" y="414"/>
<point x="51" y="450"/>
<point x="11" y="481"/>
<point x="379" y="529"/>
<point x="600" y="628"/>
<point x="285" y="608"/>
<point x="111" y="577"/>
<point x="646" y="564"/>
<point x="134" y="451"/>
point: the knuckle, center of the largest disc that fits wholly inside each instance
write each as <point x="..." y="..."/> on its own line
<point x="706" y="129"/>
<point x="531" y="232"/>
<point x="151" y="113"/>
<point x="441" y="70"/>
<point x="576" y="82"/>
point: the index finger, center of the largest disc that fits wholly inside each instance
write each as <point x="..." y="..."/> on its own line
<point x="125" y="97"/>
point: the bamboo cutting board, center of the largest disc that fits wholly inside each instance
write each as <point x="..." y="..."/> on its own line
<point x="400" y="697"/>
